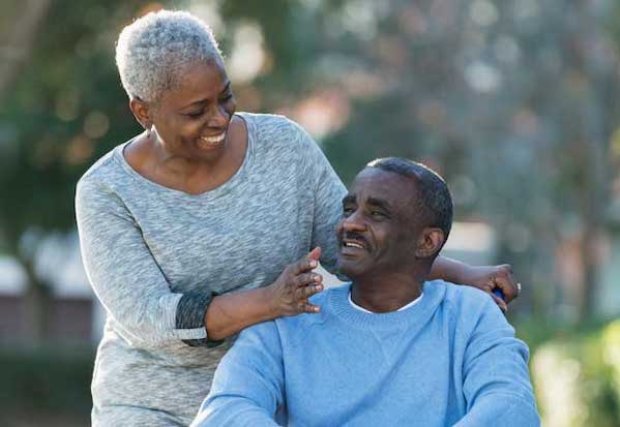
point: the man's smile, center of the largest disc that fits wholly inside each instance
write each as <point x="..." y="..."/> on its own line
<point x="353" y="244"/>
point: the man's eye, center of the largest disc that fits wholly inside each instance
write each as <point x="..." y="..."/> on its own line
<point x="377" y="214"/>
<point x="347" y="211"/>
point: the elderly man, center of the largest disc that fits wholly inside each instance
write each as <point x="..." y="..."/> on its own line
<point x="388" y="349"/>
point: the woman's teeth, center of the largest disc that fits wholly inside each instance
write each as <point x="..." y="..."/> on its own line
<point x="214" y="139"/>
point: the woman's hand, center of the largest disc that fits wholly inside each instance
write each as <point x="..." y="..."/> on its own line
<point x="289" y="294"/>
<point x="492" y="278"/>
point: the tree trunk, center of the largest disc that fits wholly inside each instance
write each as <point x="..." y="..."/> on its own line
<point x="37" y="308"/>
<point x="595" y="132"/>
<point x="20" y="25"/>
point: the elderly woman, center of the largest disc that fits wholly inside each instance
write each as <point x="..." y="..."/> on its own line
<point x="200" y="226"/>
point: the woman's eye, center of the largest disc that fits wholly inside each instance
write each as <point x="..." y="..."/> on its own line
<point x="226" y="97"/>
<point x="194" y="114"/>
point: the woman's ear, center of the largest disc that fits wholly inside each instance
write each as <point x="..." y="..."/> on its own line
<point x="141" y="111"/>
<point x="430" y="242"/>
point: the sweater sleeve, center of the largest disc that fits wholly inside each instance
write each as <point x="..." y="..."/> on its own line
<point x="328" y="192"/>
<point x="248" y="386"/>
<point x="496" y="381"/>
<point x="126" y="277"/>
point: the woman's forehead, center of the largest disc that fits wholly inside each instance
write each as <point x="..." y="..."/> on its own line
<point x="197" y="82"/>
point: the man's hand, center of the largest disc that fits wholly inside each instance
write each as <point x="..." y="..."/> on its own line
<point x="490" y="278"/>
<point x="290" y="292"/>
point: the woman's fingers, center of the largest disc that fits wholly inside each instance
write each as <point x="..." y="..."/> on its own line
<point x="307" y="279"/>
<point x="505" y="280"/>
<point x="500" y="303"/>
<point x="315" y="254"/>
<point x="303" y="265"/>
<point x="297" y="283"/>
<point x="308" y="262"/>
<point x="302" y="293"/>
<point x="311" y="308"/>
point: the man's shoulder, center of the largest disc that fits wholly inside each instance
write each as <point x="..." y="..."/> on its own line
<point x="464" y="294"/>
<point x="339" y="291"/>
<point x="467" y="303"/>
<point x="324" y="300"/>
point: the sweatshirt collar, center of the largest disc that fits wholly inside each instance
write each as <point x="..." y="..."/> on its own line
<point x="415" y="317"/>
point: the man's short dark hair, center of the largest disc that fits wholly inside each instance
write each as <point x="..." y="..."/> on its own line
<point x="434" y="200"/>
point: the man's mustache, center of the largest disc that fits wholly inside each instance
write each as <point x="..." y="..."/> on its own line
<point x="354" y="236"/>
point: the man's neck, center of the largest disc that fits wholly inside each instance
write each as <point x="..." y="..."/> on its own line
<point x="386" y="293"/>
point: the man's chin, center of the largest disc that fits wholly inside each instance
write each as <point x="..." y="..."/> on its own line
<point x="349" y="268"/>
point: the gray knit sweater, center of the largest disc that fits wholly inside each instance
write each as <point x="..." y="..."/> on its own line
<point x="155" y="256"/>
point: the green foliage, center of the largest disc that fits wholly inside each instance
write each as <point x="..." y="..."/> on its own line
<point x="45" y="381"/>
<point x="65" y="109"/>
<point x="537" y="331"/>
<point x="275" y="21"/>
<point x="535" y="147"/>
<point x="532" y="149"/>
<point x="577" y="378"/>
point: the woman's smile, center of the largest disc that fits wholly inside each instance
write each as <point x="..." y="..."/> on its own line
<point x="210" y="142"/>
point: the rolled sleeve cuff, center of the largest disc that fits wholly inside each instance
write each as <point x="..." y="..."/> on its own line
<point x="190" y="327"/>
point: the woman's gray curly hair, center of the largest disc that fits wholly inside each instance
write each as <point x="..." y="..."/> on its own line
<point x="152" y="51"/>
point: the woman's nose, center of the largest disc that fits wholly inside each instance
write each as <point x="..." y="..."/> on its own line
<point x="219" y="116"/>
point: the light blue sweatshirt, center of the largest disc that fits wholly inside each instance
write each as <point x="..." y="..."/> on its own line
<point x="451" y="359"/>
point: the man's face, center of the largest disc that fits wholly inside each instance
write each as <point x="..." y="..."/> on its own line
<point x="378" y="230"/>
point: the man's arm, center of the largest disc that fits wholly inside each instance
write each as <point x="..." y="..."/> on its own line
<point x="248" y="386"/>
<point x="496" y="380"/>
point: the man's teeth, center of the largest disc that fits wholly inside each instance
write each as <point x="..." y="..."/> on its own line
<point x="214" y="139"/>
<point x="353" y="245"/>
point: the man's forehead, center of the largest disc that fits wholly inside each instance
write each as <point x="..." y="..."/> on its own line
<point x="384" y="185"/>
<point x="376" y="177"/>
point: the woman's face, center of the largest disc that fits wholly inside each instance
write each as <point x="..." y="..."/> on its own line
<point x="191" y="120"/>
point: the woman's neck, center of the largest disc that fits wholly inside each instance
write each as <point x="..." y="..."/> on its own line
<point x="190" y="175"/>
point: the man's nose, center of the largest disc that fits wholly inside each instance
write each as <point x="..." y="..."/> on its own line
<point x="354" y="222"/>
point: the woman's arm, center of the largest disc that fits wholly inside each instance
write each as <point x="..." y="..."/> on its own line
<point x="486" y="278"/>
<point x="135" y="293"/>
<point x="122" y="271"/>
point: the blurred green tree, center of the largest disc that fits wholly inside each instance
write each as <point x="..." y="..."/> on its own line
<point x="62" y="106"/>
<point x="513" y="102"/>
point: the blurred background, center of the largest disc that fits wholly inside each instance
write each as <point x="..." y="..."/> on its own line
<point x="515" y="103"/>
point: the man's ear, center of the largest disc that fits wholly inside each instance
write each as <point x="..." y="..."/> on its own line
<point x="430" y="242"/>
<point x="141" y="111"/>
